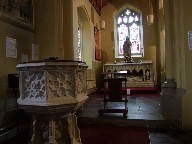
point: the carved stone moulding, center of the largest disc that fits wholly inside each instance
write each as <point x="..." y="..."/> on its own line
<point x="139" y="74"/>
<point x="52" y="91"/>
<point x="52" y="83"/>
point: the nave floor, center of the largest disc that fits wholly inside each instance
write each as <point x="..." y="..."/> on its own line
<point x="143" y="111"/>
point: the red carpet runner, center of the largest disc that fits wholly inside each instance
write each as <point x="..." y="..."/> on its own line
<point x="98" y="134"/>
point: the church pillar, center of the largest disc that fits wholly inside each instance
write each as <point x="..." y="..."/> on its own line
<point x="170" y="103"/>
<point x="59" y="36"/>
<point x="68" y="30"/>
<point x="169" y="37"/>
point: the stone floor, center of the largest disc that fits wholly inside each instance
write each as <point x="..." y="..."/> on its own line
<point x="143" y="111"/>
<point x="170" y="137"/>
<point x="139" y="107"/>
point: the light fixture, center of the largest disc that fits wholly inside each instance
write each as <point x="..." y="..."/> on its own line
<point x="150" y="17"/>
<point x="102" y="24"/>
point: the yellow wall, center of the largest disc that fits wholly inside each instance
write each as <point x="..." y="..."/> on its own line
<point x="187" y="99"/>
<point x="51" y="24"/>
<point x="88" y="43"/>
<point x="56" y="17"/>
<point x="24" y="39"/>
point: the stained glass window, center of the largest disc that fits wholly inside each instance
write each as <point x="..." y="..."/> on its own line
<point x="128" y="23"/>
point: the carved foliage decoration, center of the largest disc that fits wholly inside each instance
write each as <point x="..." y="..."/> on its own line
<point x="80" y="82"/>
<point x="33" y="85"/>
<point x="60" y="84"/>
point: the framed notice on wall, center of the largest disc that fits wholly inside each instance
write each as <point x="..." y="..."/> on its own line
<point x="11" y="49"/>
<point x="97" y="50"/>
<point x="18" y="13"/>
<point x="35" y="52"/>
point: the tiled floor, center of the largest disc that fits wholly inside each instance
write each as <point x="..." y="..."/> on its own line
<point x="143" y="111"/>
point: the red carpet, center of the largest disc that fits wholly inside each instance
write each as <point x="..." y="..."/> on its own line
<point x="99" y="134"/>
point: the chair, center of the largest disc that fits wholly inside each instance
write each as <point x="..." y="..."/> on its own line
<point x="113" y="92"/>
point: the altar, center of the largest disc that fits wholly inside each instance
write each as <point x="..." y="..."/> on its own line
<point x="140" y="74"/>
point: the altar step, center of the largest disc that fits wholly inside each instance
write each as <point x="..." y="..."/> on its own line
<point x="138" y="91"/>
<point x="143" y="90"/>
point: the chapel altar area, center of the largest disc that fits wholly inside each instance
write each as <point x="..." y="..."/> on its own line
<point x="138" y="74"/>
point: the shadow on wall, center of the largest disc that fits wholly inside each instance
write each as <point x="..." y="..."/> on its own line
<point x="104" y="60"/>
<point x="10" y="116"/>
<point x="104" y="57"/>
<point x="8" y="103"/>
<point x="98" y="71"/>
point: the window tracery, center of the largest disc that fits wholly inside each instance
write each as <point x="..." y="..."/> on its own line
<point x="129" y="24"/>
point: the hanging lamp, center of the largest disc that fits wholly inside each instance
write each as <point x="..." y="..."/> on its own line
<point x="150" y="17"/>
<point x="102" y="24"/>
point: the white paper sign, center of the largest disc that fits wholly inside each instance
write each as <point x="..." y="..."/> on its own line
<point x="35" y="52"/>
<point x="24" y="58"/>
<point x="190" y="40"/>
<point x="11" y="49"/>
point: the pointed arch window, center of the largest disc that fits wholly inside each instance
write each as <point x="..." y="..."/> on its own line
<point x="128" y="22"/>
<point x="79" y="41"/>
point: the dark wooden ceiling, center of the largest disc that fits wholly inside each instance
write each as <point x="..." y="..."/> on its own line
<point x="99" y="4"/>
<point x="104" y="2"/>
